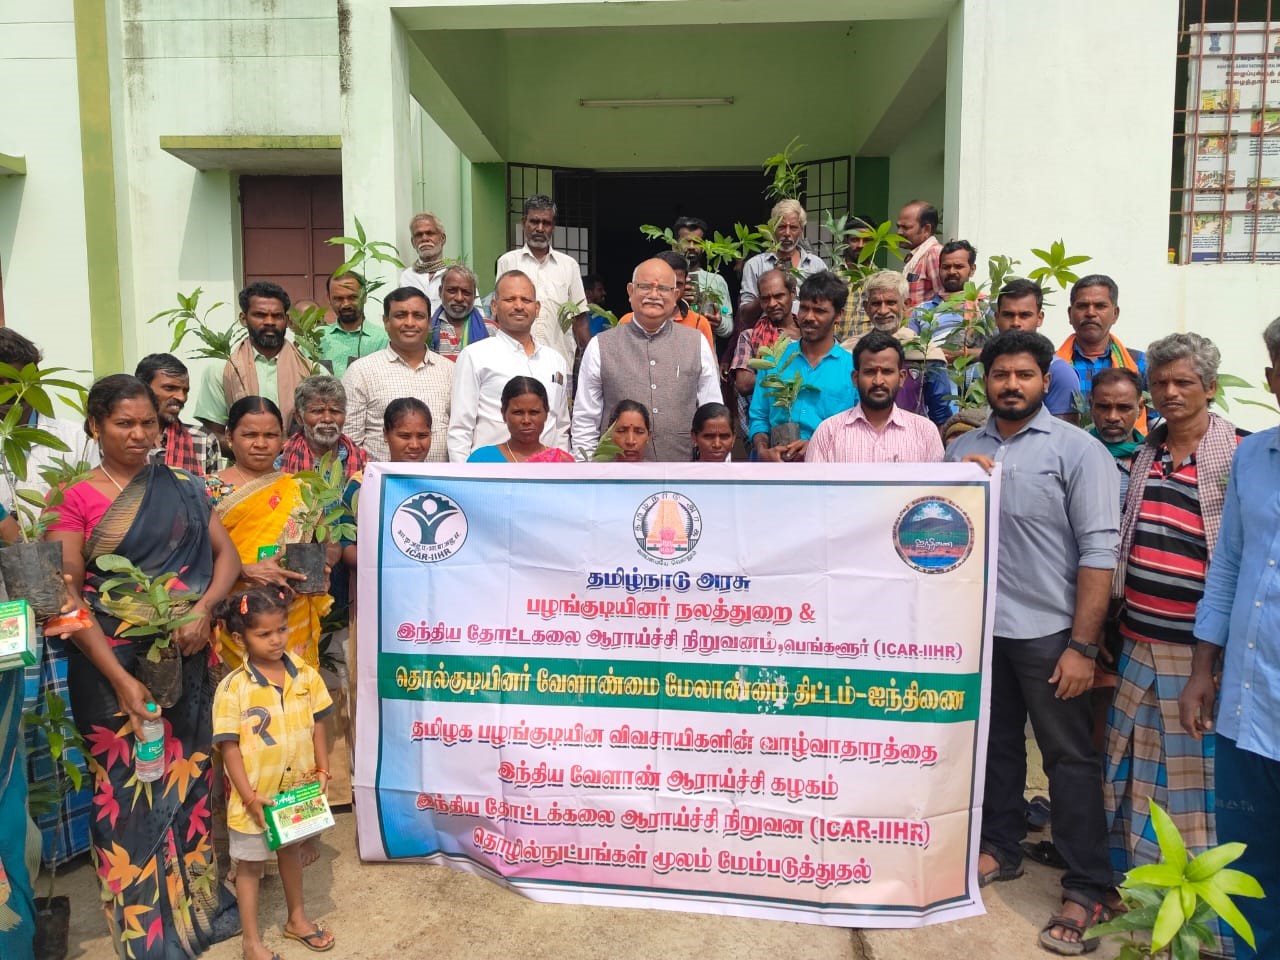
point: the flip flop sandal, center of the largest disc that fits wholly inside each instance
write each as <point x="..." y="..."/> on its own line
<point x="307" y="940"/>
<point x="1000" y="874"/>
<point x="1037" y="813"/>
<point x="1045" y="852"/>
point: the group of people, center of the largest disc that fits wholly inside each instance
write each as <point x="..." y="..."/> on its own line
<point x="1131" y="553"/>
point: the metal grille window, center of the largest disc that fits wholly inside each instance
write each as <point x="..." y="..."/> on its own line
<point x="826" y="191"/>
<point x="1226" y="157"/>
<point x="574" y="193"/>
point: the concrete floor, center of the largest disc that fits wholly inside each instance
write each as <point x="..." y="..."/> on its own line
<point x="397" y="911"/>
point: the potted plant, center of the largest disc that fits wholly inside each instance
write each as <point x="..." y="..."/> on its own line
<point x="51" y="721"/>
<point x="32" y="569"/>
<point x="1171" y="903"/>
<point x="152" y="608"/>
<point x="324" y="517"/>
<point x="784" y="391"/>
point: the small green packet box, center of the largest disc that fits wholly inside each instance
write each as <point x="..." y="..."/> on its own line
<point x="18" y="641"/>
<point x="297" y="814"/>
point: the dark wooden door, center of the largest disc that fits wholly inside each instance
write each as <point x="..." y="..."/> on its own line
<point x="285" y="223"/>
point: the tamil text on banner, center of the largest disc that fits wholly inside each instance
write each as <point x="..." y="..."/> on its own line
<point x="653" y="686"/>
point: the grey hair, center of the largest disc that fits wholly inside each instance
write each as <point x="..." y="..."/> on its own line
<point x="427" y="215"/>
<point x="1271" y="337"/>
<point x="786" y="208"/>
<point x="886" y="280"/>
<point x="320" y="387"/>
<point x="463" y="269"/>
<point x="1186" y="346"/>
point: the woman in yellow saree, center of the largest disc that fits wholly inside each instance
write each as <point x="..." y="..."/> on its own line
<point x="257" y="505"/>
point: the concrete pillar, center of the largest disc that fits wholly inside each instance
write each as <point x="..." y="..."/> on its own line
<point x="377" y="131"/>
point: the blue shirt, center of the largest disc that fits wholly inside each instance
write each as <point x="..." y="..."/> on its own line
<point x="833" y="376"/>
<point x="1059" y="511"/>
<point x="1088" y="367"/>
<point x="1240" y="609"/>
<point x="1064" y="387"/>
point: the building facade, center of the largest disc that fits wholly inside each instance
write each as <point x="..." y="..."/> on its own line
<point x="152" y="146"/>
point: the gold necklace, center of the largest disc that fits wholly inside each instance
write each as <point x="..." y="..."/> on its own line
<point x="511" y="454"/>
<point x="111" y="478"/>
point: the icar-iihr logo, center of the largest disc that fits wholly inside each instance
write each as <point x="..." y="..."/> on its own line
<point x="429" y="527"/>
<point x="667" y="526"/>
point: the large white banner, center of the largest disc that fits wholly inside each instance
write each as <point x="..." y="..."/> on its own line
<point x="752" y="690"/>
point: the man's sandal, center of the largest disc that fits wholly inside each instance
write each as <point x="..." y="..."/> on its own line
<point x="1096" y="912"/>
<point x="1001" y="873"/>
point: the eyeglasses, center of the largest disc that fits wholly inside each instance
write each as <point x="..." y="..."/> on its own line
<point x="650" y="287"/>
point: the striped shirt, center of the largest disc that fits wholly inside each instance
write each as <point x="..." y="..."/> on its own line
<point x="1169" y="556"/>
<point x="849" y="437"/>
<point x="372" y="382"/>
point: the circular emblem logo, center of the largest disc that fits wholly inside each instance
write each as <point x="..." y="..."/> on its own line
<point x="933" y="535"/>
<point x="429" y="527"/>
<point x="667" y="527"/>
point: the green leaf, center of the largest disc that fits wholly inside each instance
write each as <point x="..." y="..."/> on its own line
<point x="1211" y="861"/>
<point x="1226" y="909"/>
<point x="114" y="563"/>
<point x="1172" y="849"/>
<point x="1236" y="883"/>
<point x="1154" y="874"/>
<point x="1230" y="380"/>
<point x="343" y="241"/>
<point x="1143" y="918"/>
<point x="1168" y="920"/>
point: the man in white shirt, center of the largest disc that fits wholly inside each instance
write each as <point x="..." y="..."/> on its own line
<point x="556" y="278"/>
<point x="428" y="236"/>
<point x="484" y="368"/>
<point x="406" y="368"/>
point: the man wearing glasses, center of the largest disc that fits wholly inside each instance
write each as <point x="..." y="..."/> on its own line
<point x="668" y="368"/>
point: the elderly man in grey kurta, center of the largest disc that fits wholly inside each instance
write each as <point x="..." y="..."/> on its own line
<point x="668" y="368"/>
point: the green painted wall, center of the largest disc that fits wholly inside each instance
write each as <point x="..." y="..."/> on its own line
<point x="488" y="219"/>
<point x="828" y="83"/>
<point x="871" y="187"/>
<point x="94" y="84"/>
<point x="916" y="166"/>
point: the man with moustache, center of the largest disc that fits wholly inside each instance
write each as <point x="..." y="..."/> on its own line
<point x="820" y="361"/>
<point x="192" y="449"/>
<point x="265" y="364"/>
<point x="350" y="337"/>
<point x="1020" y="306"/>
<point x="425" y="274"/>
<point x="484" y="368"/>
<point x="1059" y="538"/>
<point x="321" y="404"/>
<point x="1094" y="310"/>
<point x="406" y="368"/>
<point x="877" y="430"/>
<point x="653" y="360"/>
<point x="556" y="278"/>
<point x="1114" y="405"/>
<point x="917" y="225"/>
<point x="777" y="293"/>
<point x="456" y="322"/>
<point x="788" y="219"/>
<point x="956" y="332"/>
<point x="884" y="298"/>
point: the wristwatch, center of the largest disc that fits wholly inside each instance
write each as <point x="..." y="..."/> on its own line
<point x="1089" y="650"/>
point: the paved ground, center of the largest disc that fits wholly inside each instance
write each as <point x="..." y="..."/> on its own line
<point x="399" y="911"/>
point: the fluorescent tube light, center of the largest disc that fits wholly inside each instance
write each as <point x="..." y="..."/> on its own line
<point x="661" y="102"/>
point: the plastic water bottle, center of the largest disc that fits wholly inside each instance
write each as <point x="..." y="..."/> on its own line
<point x="148" y="752"/>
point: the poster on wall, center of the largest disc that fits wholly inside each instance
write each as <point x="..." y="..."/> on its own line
<point x="1233" y="144"/>
<point x="657" y="687"/>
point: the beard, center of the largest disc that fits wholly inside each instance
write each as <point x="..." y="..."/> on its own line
<point x="879" y="403"/>
<point x="1019" y="413"/>
<point x="266" y="339"/>
<point x="322" y="434"/>
<point x="457" y="311"/>
<point x="348" y="316"/>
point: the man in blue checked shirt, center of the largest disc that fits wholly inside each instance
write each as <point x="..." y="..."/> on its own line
<point x="1238" y="625"/>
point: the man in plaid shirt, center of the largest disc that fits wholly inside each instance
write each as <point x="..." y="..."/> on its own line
<point x="189" y="448"/>
<point x="918" y="224"/>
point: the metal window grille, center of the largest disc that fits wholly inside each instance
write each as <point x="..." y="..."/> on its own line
<point x="1226" y="151"/>
<point x="572" y="189"/>
<point x="826" y="191"/>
